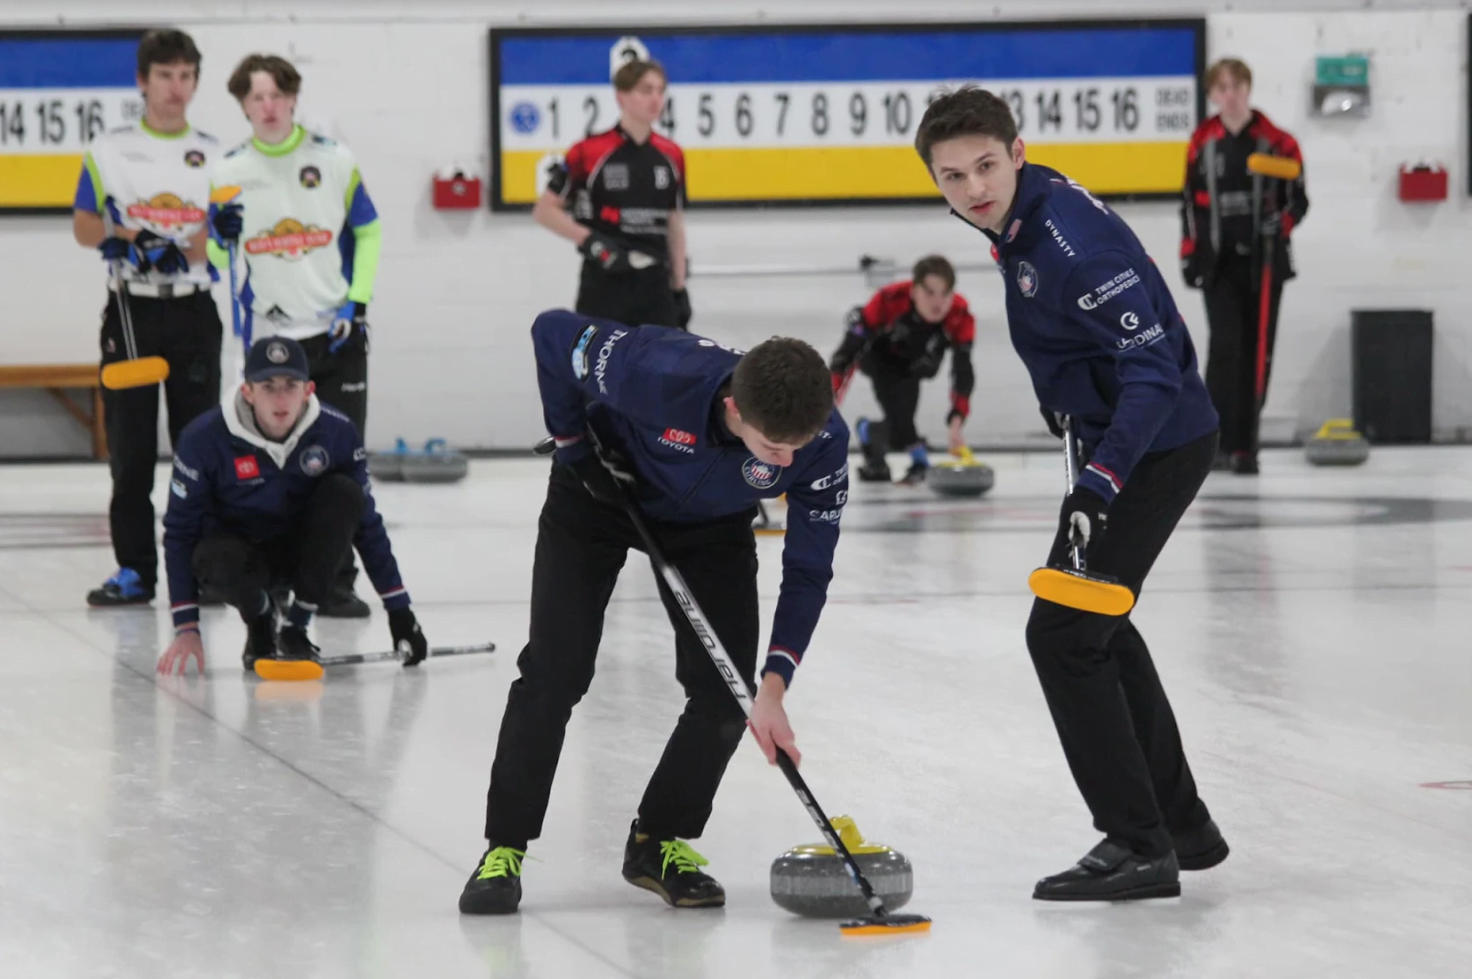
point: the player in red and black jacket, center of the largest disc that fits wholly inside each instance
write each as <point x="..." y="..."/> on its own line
<point x="1226" y="217"/>
<point x="627" y="190"/>
<point x="899" y="339"/>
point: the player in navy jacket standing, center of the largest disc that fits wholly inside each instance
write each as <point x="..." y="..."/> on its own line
<point x="272" y="489"/>
<point x="1101" y="337"/>
<point x="699" y="433"/>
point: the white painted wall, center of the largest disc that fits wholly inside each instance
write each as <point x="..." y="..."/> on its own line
<point x="405" y="85"/>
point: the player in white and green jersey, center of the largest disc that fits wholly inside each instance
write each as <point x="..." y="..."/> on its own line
<point x="141" y="201"/>
<point x="309" y="238"/>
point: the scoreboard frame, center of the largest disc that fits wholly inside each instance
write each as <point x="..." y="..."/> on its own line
<point x="497" y="203"/>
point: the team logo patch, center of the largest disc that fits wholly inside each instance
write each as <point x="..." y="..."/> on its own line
<point x="178" y="489"/>
<point x="661" y="178"/>
<point x="289" y="239"/>
<point x="310" y="177"/>
<point x="166" y="211"/>
<point x="760" y="474"/>
<point x="1027" y="279"/>
<point x="580" y="351"/>
<point x="276" y="353"/>
<point x="315" y="460"/>
<point x="246" y="467"/>
<point x="675" y="435"/>
<point x="194" y="159"/>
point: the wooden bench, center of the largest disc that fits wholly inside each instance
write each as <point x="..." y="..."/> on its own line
<point x="58" y="379"/>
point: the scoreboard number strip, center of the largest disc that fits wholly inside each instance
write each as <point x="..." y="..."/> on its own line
<point x="730" y="116"/>
<point x="62" y="120"/>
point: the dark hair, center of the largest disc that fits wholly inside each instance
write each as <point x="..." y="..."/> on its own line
<point x="281" y="71"/>
<point x="783" y="389"/>
<point x="166" y="47"/>
<point x="1235" y="67"/>
<point x="968" y="111"/>
<point x="631" y="73"/>
<point x="937" y="266"/>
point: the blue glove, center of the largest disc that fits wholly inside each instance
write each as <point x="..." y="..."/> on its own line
<point x="145" y="253"/>
<point x="228" y="222"/>
<point x="350" y="320"/>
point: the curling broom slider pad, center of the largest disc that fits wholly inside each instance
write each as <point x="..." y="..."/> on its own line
<point x="1081" y="590"/>
<point x="288" y="669"/>
<point x="141" y="373"/>
<point x="890" y="924"/>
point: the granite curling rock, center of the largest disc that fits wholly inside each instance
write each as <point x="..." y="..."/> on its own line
<point x="964" y="477"/>
<point x="1337" y="444"/>
<point x="437" y="463"/>
<point x="811" y="880"/>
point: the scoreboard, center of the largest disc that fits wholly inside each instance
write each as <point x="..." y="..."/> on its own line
<point x="58" y="90"/>
<point x="812" y="114"/>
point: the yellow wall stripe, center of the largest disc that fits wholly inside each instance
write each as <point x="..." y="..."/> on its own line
<point x="881" y="171"/>
<point x="43" y="180"/>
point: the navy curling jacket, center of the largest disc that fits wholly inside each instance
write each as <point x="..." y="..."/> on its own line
<point x="229" y="478"/>
<point x="1096" y="326"/>
<point x="650" y="394"/>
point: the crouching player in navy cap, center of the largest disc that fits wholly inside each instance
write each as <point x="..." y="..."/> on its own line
<point x="269" y="490"/>
<point x="698" y="433"/>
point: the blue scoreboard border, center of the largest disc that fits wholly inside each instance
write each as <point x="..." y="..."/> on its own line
<point x="1197" y="25"/>
<point x="53" y="33"/>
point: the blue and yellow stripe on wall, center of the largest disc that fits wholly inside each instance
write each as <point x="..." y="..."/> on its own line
<point x="827" y="114"/>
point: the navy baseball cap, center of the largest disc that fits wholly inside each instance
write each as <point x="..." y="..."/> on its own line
<point x="276" y="357"/>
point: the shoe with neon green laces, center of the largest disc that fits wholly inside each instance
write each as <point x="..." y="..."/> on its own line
<point x="671" y="869"/>
<point x="495" y="887"/>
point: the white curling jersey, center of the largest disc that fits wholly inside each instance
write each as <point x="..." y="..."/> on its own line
<point x="152" y="181"/>
<point x="301" y="201"/>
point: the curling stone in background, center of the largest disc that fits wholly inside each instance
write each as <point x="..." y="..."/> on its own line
<point x="811" y="881"/>
<point x="437" y="463"/>
<point x="1337" y="444"/>
<point x="962" y="477"/>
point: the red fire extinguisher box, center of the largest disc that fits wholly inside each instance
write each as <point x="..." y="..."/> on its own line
<point x="1422" y="183"/>
<point x="456" y="192"/>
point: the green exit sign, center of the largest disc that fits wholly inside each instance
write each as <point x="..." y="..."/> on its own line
<point x="1347" y="71"/>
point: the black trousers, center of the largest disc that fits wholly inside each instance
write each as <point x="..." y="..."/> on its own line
<point x="1233" y="312"/>
<point x="342" y="377"/>
<point x="1113" y="718"/>
<point x="581" y="547"/>
<point x="898" y="394"/>
<point x="306" y="558"/>
<point x="634" y="298"/>
<point x="342" y="383"/>
<point x="186" y="332"/>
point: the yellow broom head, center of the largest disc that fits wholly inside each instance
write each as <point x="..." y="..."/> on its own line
<point x="140" y="373"/>
<point x="225" y="194"/>
<point x="288" y="669"/>
<point x="890" y="924"/>
<point x="1081" y="590"/>
<point x="1280" y="167"/>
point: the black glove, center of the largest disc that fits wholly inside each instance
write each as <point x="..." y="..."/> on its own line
<point x="1085" y="517"/>
<point x="161" y="253"/>
<point x="1272" y="225"/>
<point x="409" y="639"/>
<point x="925" y="367"/>
<point x="682" y="308"/>
<point x="1191" y="270"/>
<point x="229" y="222"/>
<point x="609" y="254"/>
<point x="605" y="479"/>
<point x="1055" y="424"/>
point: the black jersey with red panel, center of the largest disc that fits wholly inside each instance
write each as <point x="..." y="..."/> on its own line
<point x="625" y="188"/>
<point x="888" y="330"/>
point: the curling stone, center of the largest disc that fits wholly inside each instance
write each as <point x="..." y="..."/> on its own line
<point x="963" y="477"/>
<point x="1337" y="444"/>
<point x="437" y="463"/>
<point x="811" y="881"/>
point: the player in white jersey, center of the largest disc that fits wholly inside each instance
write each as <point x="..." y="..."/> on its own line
<point x="142" y="202"/>
<point x="309" y="237"/>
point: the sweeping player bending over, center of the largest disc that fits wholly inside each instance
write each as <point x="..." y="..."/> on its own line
<point x="899" y="338"/>
<point x="1098" y="331"/>
<point x="698" y="433"/>
<point x="268" y="489"/>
